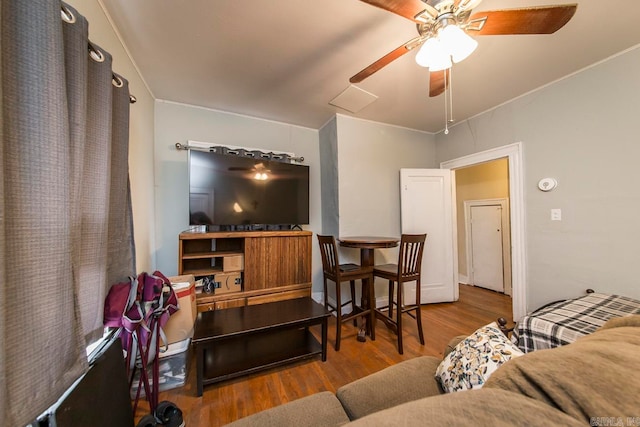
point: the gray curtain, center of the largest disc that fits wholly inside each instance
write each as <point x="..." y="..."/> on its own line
<point x="66" y="231"/>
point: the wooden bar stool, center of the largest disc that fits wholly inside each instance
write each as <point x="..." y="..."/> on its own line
<point x="334" y="271"/>
<point x="406" y="270"/>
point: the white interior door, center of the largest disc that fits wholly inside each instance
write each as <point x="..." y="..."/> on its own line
<point x="486" y="247"/>
<point x="426" y="207"/>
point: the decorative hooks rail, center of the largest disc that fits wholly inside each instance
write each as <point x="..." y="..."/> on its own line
<point x="234" y="151"/>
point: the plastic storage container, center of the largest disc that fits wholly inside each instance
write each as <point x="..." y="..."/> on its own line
<point x="172" y="368"/>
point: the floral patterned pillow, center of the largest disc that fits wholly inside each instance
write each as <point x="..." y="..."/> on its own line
<point x="475" y="358"/>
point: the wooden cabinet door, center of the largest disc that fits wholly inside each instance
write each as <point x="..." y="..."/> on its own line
<point x="273" y="261"/>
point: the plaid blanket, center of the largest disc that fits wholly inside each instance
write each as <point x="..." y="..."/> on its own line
<point x="563" y="322"/>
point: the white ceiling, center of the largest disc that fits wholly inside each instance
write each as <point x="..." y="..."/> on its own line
<point x="284" y="60"/>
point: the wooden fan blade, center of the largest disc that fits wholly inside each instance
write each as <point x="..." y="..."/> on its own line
<point x="436" y="83"/>
<point x="410" y="9"/>
<point x="534" y="20"/>
<point x="386" y="60"/>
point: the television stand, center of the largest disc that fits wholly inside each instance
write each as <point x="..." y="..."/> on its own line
<point x="243" y="340"/>
<point x="271" y="265"/>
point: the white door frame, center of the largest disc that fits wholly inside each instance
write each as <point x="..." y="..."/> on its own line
<point x="516" y="196"/>
<point x="506" y="254"/>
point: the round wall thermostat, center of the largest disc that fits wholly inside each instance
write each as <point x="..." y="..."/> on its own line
<point x="547" y="184"/>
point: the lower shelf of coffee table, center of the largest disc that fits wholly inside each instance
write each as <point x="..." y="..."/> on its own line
<point x="233" y="357"/>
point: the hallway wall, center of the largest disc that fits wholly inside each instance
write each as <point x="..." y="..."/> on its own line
<point x="484" y="181"/>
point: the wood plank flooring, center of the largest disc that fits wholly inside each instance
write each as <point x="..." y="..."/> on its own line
<point x="227" y="401"/>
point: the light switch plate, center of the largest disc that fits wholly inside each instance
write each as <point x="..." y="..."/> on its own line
<point x="556" y="214"/>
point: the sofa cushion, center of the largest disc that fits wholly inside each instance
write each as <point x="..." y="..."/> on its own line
<point x="318" y="410"/>
<point x="408" y="380"/>
<point x="595" y="376"/>
<point x="475" y="358"/>
<point x="484" y="407"/>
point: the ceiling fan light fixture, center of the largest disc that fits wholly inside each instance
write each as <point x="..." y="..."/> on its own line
<point x="433" y="55"/>
<point x="440" y="63"/>
<point x="426" y="52"/>
<point x="457" y="43"/>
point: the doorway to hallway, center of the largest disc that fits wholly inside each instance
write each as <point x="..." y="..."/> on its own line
<point x="512" y="156"/>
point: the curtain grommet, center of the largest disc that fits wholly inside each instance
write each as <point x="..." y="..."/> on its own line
<point x="67" y="15"/>
<point x="117" y="81"/>
<point x="95" y="53"/>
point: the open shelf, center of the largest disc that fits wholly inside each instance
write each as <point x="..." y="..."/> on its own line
<point x="210" y="254"/>
<point x="199" y="272"/>
<point x="251" y="353"/>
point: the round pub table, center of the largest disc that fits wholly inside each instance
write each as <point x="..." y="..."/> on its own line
<point x="367" y="246"/>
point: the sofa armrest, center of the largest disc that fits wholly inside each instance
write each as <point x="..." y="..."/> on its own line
<point x="406" y="381"/>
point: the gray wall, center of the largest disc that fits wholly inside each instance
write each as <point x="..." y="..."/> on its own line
<point x="181" y="123"/>
<point x="360" y="169"/>
<point x="583" y="131"/>
<point x="329" y="172"/>
<point x="370" y="156"/>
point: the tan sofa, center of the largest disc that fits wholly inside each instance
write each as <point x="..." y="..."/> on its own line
<point x="593" y="381"/>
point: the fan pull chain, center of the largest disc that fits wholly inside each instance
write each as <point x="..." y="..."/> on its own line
<point x="448" y="106"/>
<point x="451" y="95"/>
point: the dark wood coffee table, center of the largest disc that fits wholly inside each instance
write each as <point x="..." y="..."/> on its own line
<point x="243" y="340"/>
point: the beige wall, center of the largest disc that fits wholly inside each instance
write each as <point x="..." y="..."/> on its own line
<point x="140" y="130"/>
<point x="485" y="181"/>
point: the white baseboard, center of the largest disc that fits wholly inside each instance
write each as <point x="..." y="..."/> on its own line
<point x="318" y="297"/>
<point x="463" y="279"/>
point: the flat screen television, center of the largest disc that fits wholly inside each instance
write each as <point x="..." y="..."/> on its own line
<point x="235" y="192"/>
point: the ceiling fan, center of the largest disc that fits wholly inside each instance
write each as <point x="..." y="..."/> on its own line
<point x="453" y="19"/>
